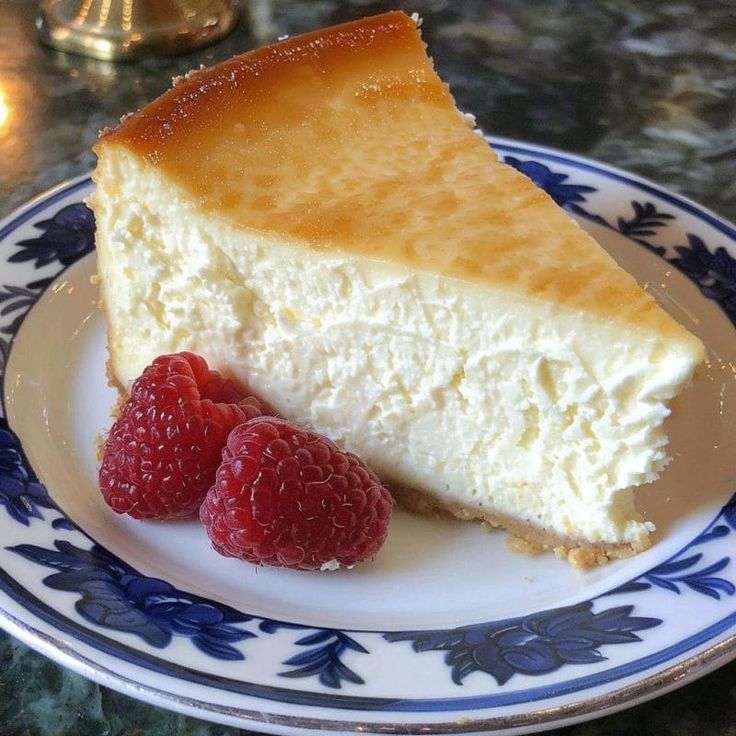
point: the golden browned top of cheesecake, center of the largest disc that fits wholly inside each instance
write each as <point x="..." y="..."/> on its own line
<point x="347" y="139"/>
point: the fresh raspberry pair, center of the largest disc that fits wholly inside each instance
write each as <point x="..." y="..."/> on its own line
<point x="267" y="491"/>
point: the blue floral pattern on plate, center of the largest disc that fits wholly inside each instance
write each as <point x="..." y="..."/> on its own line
<point x="112" y="595"/>
<point x="21" y="494"/>
<point x="67" y="236"/>
<point x="714" y="272"/>
<point x="322" y="655"/>
<point x="116" y="596"/>
<point x="531" y="645"/>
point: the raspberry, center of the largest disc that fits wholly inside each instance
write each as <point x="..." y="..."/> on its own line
<point x="163" y="450"/>
<point x="289" y="497"/>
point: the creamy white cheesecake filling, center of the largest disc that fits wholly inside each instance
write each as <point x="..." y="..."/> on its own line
<point x="511" y="405"/>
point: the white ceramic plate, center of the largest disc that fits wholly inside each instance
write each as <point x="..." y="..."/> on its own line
<point x="447" y="631"/>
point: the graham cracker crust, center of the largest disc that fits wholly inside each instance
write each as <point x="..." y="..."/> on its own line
<point x="522" y="537"/>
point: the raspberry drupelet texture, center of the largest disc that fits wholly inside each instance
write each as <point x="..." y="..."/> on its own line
<point x="288" y="497"/>
<point x="164" y="448"/>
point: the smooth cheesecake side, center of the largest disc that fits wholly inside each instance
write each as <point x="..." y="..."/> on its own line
<point x="317" y="219"/>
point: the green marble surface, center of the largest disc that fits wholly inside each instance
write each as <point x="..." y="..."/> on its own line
<point x="647" y="86"/>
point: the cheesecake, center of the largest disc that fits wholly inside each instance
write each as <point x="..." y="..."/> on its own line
<point x="320" y="222"/>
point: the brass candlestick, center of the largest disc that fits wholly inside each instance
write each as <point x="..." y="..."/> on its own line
<point x="116" y="30"/>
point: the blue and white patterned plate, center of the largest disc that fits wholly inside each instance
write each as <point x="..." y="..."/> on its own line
<point x="447" y="631"/>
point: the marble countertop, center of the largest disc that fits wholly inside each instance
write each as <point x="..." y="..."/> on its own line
<point x="649" y="87"/>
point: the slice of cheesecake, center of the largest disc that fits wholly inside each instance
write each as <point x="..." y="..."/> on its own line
<point x="318" y="220"/>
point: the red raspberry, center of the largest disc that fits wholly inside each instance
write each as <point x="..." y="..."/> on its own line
<point x="164" y="448"/>
<point x="289" y="497"/>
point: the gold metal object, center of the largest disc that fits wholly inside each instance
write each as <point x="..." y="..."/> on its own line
<point x="116" y="30"/>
